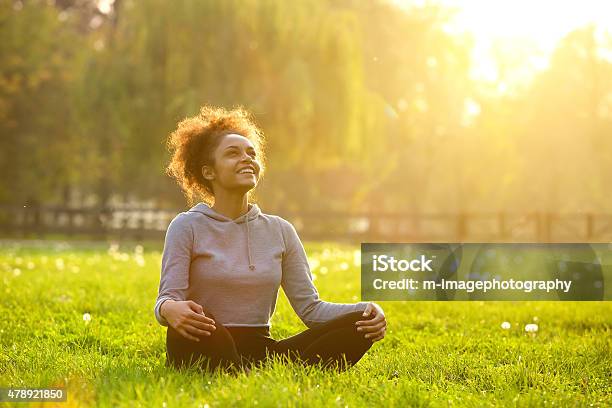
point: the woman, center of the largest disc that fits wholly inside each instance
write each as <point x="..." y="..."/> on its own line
<point x="222" y="265"/>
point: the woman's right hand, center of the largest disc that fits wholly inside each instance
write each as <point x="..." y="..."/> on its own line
<point x="187" y="318"/>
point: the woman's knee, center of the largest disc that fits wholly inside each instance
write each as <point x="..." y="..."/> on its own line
<point x="356" y="338"/>
<point x="346" y="320"/>
<point x="344" y="347"/>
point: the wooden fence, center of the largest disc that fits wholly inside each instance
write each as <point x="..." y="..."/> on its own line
<point x="144" y="223"/>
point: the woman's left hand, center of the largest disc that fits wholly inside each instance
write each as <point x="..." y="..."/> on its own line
<point x="374" y="328"/>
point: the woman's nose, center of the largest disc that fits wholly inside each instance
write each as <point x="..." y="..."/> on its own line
<point x="248" y="159"/>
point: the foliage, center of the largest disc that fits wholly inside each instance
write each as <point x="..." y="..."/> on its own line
<point x="359" y="100"/>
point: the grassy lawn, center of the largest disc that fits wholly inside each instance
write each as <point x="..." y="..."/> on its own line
<point x="435" y="353"/>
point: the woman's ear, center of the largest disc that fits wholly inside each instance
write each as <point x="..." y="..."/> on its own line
<point x="208" y="173"/>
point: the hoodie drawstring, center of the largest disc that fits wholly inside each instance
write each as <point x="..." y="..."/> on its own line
<point x="251" y="265"/>
<point x="206" y="210"/>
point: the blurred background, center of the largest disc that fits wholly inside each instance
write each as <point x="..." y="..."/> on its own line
<point x="385" y="119"/>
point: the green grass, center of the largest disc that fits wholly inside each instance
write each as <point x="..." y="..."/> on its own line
<point x="435" y="353"/>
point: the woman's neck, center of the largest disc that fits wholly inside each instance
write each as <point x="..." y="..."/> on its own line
<point x="231" y="206"/>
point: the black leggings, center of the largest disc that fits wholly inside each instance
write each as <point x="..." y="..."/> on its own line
<point x="335" y="343"/>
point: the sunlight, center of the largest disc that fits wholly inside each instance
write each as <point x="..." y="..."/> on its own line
<point x="514" y="39"/>
<point x="105" y="6"/>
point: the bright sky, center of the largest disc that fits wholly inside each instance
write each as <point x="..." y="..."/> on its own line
<point x="105" y="6"/>
<point x="533" y="26"/>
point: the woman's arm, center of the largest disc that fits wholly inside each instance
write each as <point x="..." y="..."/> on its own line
<point x="176" y="261"/>
<point x="299" y="288"/>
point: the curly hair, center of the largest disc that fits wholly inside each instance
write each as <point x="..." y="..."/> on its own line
<point x="195" y="140"/>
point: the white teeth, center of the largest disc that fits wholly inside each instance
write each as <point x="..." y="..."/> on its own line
<point x="246" y="171"/>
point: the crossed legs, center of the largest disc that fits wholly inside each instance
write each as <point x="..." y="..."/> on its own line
<point x="335" y="343"/>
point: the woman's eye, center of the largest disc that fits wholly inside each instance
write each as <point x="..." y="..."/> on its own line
<point x="234" y="152"/>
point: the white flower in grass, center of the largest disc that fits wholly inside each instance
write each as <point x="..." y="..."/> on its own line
<point x="506" y="325"/>
<point x="16" y="271"/>
<point x="138" y="249"/>
<point x="323" y="270"/>
<point x="531" y="328"/>
<point x="140" y="261"/>
<point x="59" y="263"/>
<point x="31" y="265"/>
<point x="344" y="266"/>
<point x="86" y="317"/>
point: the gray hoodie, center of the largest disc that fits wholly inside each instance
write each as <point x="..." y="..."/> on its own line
<point x="233" y="268"/>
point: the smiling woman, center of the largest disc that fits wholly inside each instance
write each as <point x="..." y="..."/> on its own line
<point x="224" y="261"/>
<point x="195" y="142"/>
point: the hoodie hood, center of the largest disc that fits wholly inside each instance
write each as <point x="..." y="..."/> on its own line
<point x="250" y="215"/>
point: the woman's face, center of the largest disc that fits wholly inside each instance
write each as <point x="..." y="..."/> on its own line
<point x="236" y="165"/>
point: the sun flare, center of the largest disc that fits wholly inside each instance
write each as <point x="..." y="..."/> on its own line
<point x="514" y="39"/>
